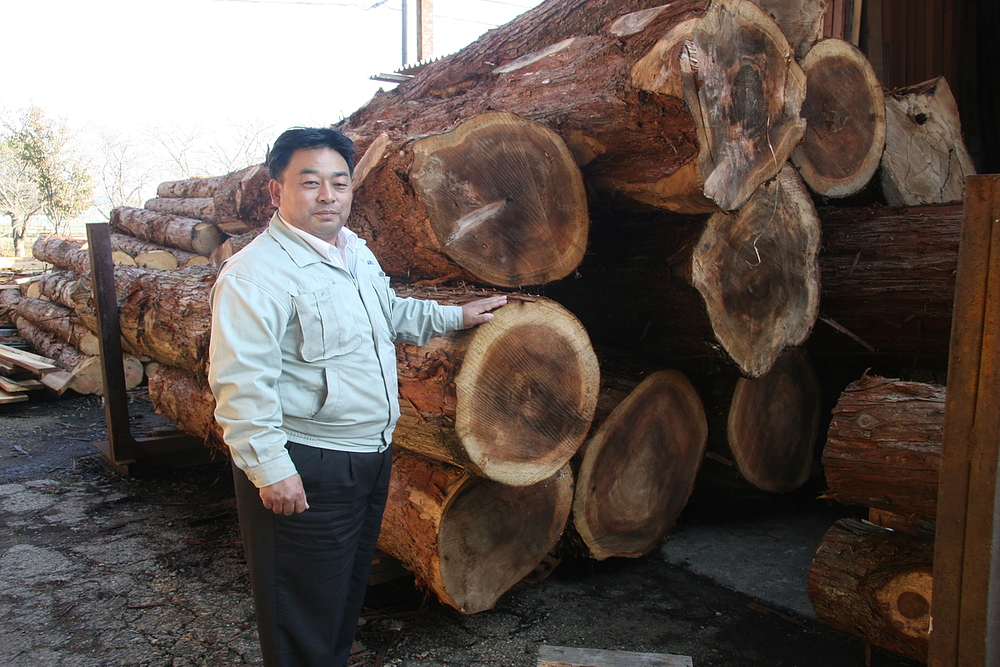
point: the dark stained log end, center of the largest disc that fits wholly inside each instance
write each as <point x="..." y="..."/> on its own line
<point x="844" y="111"/>
<point x="773" y="422"/>
<point x="505" y="199"/>
<point x="750" y="95"/>
<point x="638" y="470"/>
<point x="527" y="392"/>
<point x="493" y="535"/>
<point x="758" y="272"/>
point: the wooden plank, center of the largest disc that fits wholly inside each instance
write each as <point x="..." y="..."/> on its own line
<point x="13" y="386"/>
<point x="29" y="360"/>
<point x="11" y="398"/>
<point x="562" y="656"/>
<point x="965" y="548"/>
<point x="58" y="381"/>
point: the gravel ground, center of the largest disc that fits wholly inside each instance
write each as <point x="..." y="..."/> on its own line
<point x="96" y="569"/>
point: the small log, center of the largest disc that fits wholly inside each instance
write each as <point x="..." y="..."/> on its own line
<point x="186" y="399"/>
<point x="744" y="90"/>
<point x="70" y="254"/>
<point x="55" y="286"/>
<point x="925" y="160"/>
<point x="9" y="299"/>
<point x="499" y="200"/>
<point x="844" y="111"/>
<point x="883" y="448"/>
<point x="233" y="245"/>
<point x="153" y="255"/>
<point x="511" y="400"/>
<point x="189" y="234"/>
<point x="637" y="471"/>
<point x="61" y="322"/>
<point x="469" y="539"/>
<point x="238" y="196"/>
<point x="875" y="583"/>
<point x="86" y="370"/>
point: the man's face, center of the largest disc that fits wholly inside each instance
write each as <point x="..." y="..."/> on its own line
<point x="314" y="193"/>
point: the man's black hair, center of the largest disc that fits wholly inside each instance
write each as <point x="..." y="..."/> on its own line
<point x="307" y="137"/>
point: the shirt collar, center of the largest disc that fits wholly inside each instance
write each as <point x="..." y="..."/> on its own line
<point x="346" y="239"/>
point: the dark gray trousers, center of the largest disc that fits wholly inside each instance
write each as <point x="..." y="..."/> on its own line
<point x="309" y="571"/>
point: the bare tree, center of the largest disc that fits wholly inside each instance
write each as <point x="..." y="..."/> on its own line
<point x="20" y="198"/>
<point x="126" y="170"/>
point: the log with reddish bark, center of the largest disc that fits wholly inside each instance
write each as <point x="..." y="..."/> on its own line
<point x="883" y="447"/>
<point x="875" y="583"/>
<point x="498" y="200"/>
<point x="186" y="399"/>
<point x="733" y="68"/>
<point x="55" y="286"/>
<point x="469" y="539"/>
<point x="9" y="299"/>
<point x="236" y="201"/>
<point x="61" y="322"/>
<point x="844" y="111"/>
<point x="888" y="283"/>
<point x="925" y="160"/>
<point x="737" y="290"/>
<point x="189" y="234"/>
<point x="153" y="255"/>
<point x="164" y="315"/>
<point x="233" y="245"/>
<point x="69" y="253"/>
<point x="86" y="370"/>
<point x="636" y="472"/>
<point x="510" y="400"/>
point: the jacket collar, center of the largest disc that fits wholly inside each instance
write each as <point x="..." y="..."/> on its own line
<point x="297" y="248"/>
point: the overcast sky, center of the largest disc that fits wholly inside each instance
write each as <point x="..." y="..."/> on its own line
<point x="135" y="63"/>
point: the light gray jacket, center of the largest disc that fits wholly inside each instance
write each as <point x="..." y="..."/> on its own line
<point x="303" y="351"/>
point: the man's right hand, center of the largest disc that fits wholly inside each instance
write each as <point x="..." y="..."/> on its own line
<point x="285" y="497"/>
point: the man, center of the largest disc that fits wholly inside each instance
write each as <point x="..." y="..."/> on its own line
<point x="303" y="369"/>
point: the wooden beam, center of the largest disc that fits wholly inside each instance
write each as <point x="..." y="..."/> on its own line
<point x="966" y="549"/>
<point x="563" y="656"/>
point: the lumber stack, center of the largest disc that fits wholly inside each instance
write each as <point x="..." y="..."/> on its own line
<point x="639" y="178"/>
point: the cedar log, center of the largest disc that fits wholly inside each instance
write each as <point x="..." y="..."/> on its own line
<point x="875" y="583"/>
<point x="189" y="234"/>
<point x="185" y="399"/>
<point x="61" y="322"/>
<point x="883" y="448"/>
<point x="636" y="472"/>
<point x="844" y="111"/>
<point x="511" y="400"/>
<point x="466" y="538"/>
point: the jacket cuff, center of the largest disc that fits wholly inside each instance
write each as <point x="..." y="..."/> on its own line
<point x="458" y="322"/>
<point x="271" y="472"/>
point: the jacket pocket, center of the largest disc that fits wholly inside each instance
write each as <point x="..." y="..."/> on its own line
<point x="327" y="319"/>
<point x="331" y="402"/>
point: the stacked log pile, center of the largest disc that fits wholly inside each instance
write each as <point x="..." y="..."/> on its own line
<point x="643" y="180"/>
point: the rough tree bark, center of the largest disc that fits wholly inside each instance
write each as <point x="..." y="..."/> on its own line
<point x="875" y="583"/>
<point x="888" y="277"/>
<point x="186" y="399"/>
<point x="61" y="322"/>
<point x="883" y="448"/>
<point x="189" y="234"/>
<point x="466" y="538"/>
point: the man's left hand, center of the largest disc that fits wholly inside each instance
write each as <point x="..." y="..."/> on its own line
<point x="477" y="312"/>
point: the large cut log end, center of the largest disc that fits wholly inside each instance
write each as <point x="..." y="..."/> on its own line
<point x="772" y="424"/>
<point x="758" y="272"/>
<point x="505" y="199"/>
<point x="638" y="470"/>
<point x="844" y="111"/>
<point x="467" y="538"/>
<point x="526" y="393"/>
